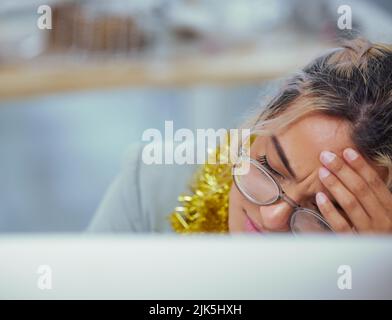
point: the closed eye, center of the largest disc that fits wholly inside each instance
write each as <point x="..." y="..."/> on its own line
<point x="264" y="162"/>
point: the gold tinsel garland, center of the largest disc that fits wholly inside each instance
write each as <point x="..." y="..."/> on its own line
<point x="206" y="208"/>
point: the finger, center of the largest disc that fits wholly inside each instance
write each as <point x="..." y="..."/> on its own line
<point x="331" y="214"/>
<point x="346" y="200"/>
<point x="355" y="184"/>
<point x="359" y="164"/>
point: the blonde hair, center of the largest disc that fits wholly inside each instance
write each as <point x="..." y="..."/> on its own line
<point x="353" y="83"/>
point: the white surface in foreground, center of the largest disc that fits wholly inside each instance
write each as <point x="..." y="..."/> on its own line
<point x="194" y="267"/>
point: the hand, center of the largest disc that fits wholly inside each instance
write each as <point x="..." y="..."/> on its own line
<point x="363" y="197"/>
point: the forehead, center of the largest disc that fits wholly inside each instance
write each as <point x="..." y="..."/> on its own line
<point x="315" y="133"/>
<point x="304" y="140"/>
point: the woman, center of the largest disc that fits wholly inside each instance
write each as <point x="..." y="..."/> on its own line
<point x="320" y="158"/>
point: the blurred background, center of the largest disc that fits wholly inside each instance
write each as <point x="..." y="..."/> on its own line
<point x="73" y="98"/>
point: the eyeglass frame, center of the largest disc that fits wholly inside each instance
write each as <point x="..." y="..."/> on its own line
<point x="281" y="196"/>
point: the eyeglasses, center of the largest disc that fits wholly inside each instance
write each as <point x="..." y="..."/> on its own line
<point x="259" y="186"/>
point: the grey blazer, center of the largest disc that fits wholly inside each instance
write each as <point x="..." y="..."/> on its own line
<point x="142" y="196"/>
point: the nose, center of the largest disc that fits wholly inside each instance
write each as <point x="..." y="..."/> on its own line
<point x="276" y="217"/>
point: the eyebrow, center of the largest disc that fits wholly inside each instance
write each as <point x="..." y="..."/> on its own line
<point x="283" y="156"/>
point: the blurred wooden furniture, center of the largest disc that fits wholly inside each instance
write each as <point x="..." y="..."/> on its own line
<point x="45" y="76"/>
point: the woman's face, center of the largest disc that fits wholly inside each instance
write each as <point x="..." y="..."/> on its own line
<point x="301" y="144"/>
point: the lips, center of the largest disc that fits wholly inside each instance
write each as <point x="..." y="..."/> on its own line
<point x="250" y="226"/>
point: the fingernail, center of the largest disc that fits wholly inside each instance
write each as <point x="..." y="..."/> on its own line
<point x="350" y="154"/>
<point x="323" y="173"/>
<point x="327" y="157"/>
<point x="321" y="198"/>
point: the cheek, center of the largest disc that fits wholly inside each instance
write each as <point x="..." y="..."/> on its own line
<point x="235" y="212"/>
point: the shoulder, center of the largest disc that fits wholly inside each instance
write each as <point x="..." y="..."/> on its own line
<point x="142" y="196"/>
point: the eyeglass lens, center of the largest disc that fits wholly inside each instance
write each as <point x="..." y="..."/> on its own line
<point x="260" y="187"/>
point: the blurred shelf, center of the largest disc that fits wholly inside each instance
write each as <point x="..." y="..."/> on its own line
<point x="239" y="67"/>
